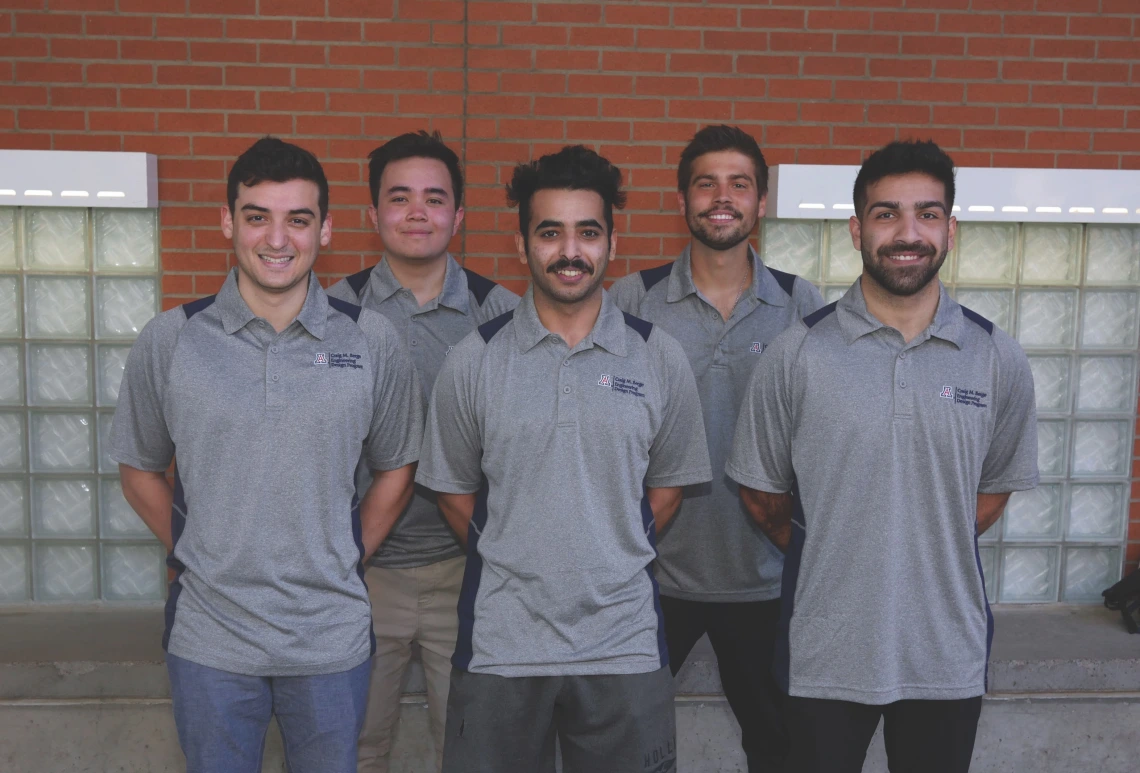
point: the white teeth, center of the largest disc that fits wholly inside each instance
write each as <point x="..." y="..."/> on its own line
<point x="276" y="261"/>
<point x="570" y="272"/>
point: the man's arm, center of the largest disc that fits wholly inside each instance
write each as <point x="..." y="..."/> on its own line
<point x="149" y="494"/>
<point x="990" y="508"/>
<point x="664" y="502"/>
<point x="457" y="510"/>
<point x="772" y="513"/>
<point x="386" y="498"/>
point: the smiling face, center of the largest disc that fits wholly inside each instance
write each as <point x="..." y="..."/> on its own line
<point x="415" y="212"/>
<point x="722" y="204"/>
<point x="905" y="232"/>
<point x="567" y="248"/>
<point x="277" y="233"/>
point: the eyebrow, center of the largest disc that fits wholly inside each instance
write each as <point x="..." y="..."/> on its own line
<point x="256" y="208"/>
<point x="738" y="176"/>
<point x="407" y="189"/>
<point x="591" y="223"/>
<point x="920" y="205"/>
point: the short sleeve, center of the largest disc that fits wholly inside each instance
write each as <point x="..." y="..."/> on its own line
<point x="806" y="298"/>
<point x="452" y="457"/>
<point x="761" y="455"/>
<point x="679" y="454"/>
<point x="396" y="431"/>
<point x="1011" y="462"/>
<point x="140" y="437"/>
<point x="342" y="290"/>
<point x="627" y="293"/>
<point x="499" y="301"/>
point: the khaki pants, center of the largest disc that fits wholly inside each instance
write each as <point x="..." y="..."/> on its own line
<point x="417" y="604"/>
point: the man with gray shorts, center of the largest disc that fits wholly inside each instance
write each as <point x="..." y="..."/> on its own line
<point x="559" y="437"/>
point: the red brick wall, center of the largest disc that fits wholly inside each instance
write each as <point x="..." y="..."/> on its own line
<point x="1052" y="83"/>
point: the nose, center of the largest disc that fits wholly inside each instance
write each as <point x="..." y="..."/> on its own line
<point x="571" y="247"/>
<point x="417" y="211"/>
<point x="908" y="229"/>
<point x="276" y="236"/>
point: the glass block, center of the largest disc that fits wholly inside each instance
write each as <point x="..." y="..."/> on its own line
<point x="994" y="305"/>
<point x="58" y="307"/>
<point x="1046" y="318"/>
<point x="123" y="306"/>
<point x="116" y="518"/>
<point x="63" y="508"/>
<point x="11" y="376"/>
<point x="1051" y="442"/>
<point x="1029" y="574"/>
<point x="833" y="294"/>
<point x="14" y="573"/>
<point x="133" y="572"/>
<point x="1050" y="254"/>
<point x="1109" y="319"/>
<point x="62" y="442"/>
<point x="1034" y="514"/>
<point x="794" y="246"/>
<point x="106" y="463"/>
<point x="13" y="509"/>
<point x="844" y="262"/>
<point x="986" y="252"/>
<point x="126" y="239"/>
<point x="1113" y="255"/>
<point x="988" y="558"/>
<point x="64" y="572"/>
<point x="11" y="442"/>
<point x="9" y="307"/>
<point x="1101" y="447"/>
<point x="8" y="238"/>
<point x="110" y="361"/>
<point x="57" y="239"/>
<point x="1088" y="571"/>
<point x="59" y="375"/>
<point x="1051" y="383"/>
<point x="1097" y="511"/>
<point x="1106" y="384"/>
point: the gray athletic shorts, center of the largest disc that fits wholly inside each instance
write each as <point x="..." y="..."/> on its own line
<point x="604" y="724"/>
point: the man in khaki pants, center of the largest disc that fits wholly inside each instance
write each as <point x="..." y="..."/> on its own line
<point x="414" y="578"/>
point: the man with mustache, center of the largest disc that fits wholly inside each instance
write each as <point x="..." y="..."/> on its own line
<point x="879" y="437"/>
<point x="558" y="435"/>
<point x="413" y="579"/>
<point x="719" y="574"/>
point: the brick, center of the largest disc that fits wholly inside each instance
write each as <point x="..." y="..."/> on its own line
<point x="55" y="120"/>
<point x="500" y="12"/>
<point x="1023" y="160"/>
<point x="258" y="124"/>
<point x="50" y="72"/>
<point x="80" y="96"/>
<point x="124" y="121"/>
<point x="669" y="131"/>
<point x="1059" y="140"/>
<point x="499" y="59"/>
<point x="437" y="56"/>
<point x="737" y="87"/>
<point x="832" y="112"/>
<point x="967" y="69"/>
<point x="73" y="48"/>
<point x="783" y="88"/>
<point x="613" y="37"/>
<point x="430" y="104"/>
<point x="237" y="75"/>
<point x="601" y="84"/>
<point x="866" y="91"/>
<point x="48" y="24"/>
<point x="702" y="110"/>
<point x="879" y="45"/>
<point x="864" y="136"/>
<point x="498" y="105"/>
<point x="223" y="99"/>
<point x="846" y="21"/>
<point x="771" y="18"/>
<point x="1100" y="118"/>
<point x="895" y="114"/>
<point x="1096" y="72"/>
<point x="535" y="83"/>
<point x="1118" y="49"/>
<point x="185" y="28"/>
<point x="224" y="7"/>
<point x="292" y="8"/>
<point x="118" y="26"/>
<point x="801" y="42"/>
<point x="154" y="50"/>
<point x="848" y="66"/>
<point x="765" y="111"/>
<point x="535" y="35"/>
<point x="964" y="115"/>
<point x="700" y="63"/>
<point x="530" y="128"/>
<point x="564" y="106"/>
<point x="32" y="47"/>
<point x="569" y="13"/>
<point x="1062" y="95"/>
<point x="223" y="52"/>
<point x="1099" y="26"/>
<point x="326" y="78"/>
<point x="192" y="122"/>
<point x="1054" y="48"/>
<point x="705" y="17"/>
<point x="188" y="75"/>
<point x="768" y="65"/>
<point x="259" y="29"/>
<point x="633" y="108"/>
<point x="328" y="125"/>
<point x="1033" y="71"/>
<point x="1117" y="142"/>
<point x="398" y="32"/>
<point x="797" y="135"/>
<point x="999" y="47"/>
<point x="339" y="102"/>
<point x="633" y="61"/>
<point x="477" y="35"/>
<point x="670" y="40"/>
<point x="329" y="30"/>
<point x="932" y="91"/>
<point x="970" y="23"/>
<point x="905" y="22"/>
<point x="360" y="9"/>
<point x="27" y="96"/>
<point x="995" y="138"/>
<point x="592" y="131"/>
<point x="1034" y="24"/>
<point x="288" y="53"/>
<point x="1029" y="116"/>
<point x="364" y="56"/>
<point x="933" y="45"/>
<point x="121" y="73"/>
<point x="1119" y="95"/>
<point x="665" y="86"/>
<point x="901" y="68"/>
<point x="191" y="169"/>
<point x="639" y="15"/>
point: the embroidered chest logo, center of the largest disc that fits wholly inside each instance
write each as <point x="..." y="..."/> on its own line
<point x="756" y="347"/>
<point x="626" y="386"/>
<point x="345" y="360"/>
<point x="448" y="351"/>
<point x="962" y="396"/>
<point x="322" y="358"/>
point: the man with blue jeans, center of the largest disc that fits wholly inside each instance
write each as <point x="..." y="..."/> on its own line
<point x="269" y="391"/>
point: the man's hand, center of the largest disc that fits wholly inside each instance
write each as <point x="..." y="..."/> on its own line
<point x="772" y="513"/>
<point x="149" y="494"/>
<point x="386" y="498"/>
<point x="990" y="508"/>
<point x="457" y="510"/>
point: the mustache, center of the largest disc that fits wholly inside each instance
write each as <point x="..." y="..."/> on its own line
<point x="730" y="210"/>
<point x="918" y="248"/>
<point x="563" y="263"/>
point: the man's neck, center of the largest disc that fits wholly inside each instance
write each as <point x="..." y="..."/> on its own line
<point x="719" y="270"/>
<point x="571" y="321"/>
<point x="278" y="309"/>
<point x="908" y="314"/>
<point x="423" y="277"/>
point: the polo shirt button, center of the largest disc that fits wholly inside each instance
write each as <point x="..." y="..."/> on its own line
<point x="276" y="377"/>
<point x="902" y="384"/>
<point x="415" y="342"/>
<point x="274" y="350"/>
<point x="566" y="390"/>
<point x="902" y="355"/>
<point x="566" y="363"/>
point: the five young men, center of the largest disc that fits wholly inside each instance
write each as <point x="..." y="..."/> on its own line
<point x="838" y="582"/>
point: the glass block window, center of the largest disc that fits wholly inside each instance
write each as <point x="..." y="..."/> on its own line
<point x="76" y="287"/>
<point x="1070" y="294"/>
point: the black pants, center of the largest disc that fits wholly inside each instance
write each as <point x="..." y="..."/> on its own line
<point x="921" y="736"/>
<point x="743" y="636"/>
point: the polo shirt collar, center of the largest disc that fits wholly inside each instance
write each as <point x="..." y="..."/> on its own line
<point x="764" y="286"/>
<point x="454" y="294"/>
<point x="608" y="331"/>
<point x="855" y="321"/>
<point x="236" y="314"/>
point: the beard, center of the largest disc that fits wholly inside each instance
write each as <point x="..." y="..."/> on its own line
<point x="720" y="237"/>
<point x="903" y="280"/>
<point x="545" y="280"/>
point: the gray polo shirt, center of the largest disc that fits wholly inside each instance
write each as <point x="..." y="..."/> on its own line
<point x="713" y="550"/>
<point x="267" y="428"/>
<point x="560" y="445"/>
<point x="421" y="535"/>
<point x="885" y="446"/>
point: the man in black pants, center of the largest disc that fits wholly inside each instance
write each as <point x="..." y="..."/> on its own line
<point x="717" y="571"/>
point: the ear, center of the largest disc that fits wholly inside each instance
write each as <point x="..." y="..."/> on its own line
<point x="520" y="247"/>
<point x="951" y="233"/>
<point x="613" y="246"/>
<point x="227" y="223"/>
<point x="762" y="207"/>
<point x="856" y="232"/>
<point x="681" y="207"/>
<point x="374" y="217"/>
<point x="458" y="221"/>
<point x="326" y="230"/>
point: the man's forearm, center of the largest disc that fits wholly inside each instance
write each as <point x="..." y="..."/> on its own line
<point x="457" y="510"/>
<point x="664" y="502"/>
<point x="990" y="508"/>
<point x="772" y="513"/>
<point x="386" y="498"/>
<point x="149" y="494"/>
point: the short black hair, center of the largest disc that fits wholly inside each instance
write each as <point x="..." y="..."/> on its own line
<point x="414" y="145"/>
<point x="276" y="161"/>
<point x="575" y="168"/>
<point x="904" y="157"/>
<point x="712" y="139"/>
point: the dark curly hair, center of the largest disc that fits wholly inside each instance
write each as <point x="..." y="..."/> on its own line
<point x="576" y="168"/>
<point x="414" y="145"/>
<point x="276" y="161"/>
<point x="905" y="157"/>
<point x="712" y="139"/>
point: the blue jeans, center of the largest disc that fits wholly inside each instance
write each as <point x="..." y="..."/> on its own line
<point x="222" y="717"/>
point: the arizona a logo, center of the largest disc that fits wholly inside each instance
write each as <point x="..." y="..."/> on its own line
<point x="606" y="380"/>
<point x="322" y="358"/>
<point x="947" y="392"/>
<point x="756" y="347"/>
